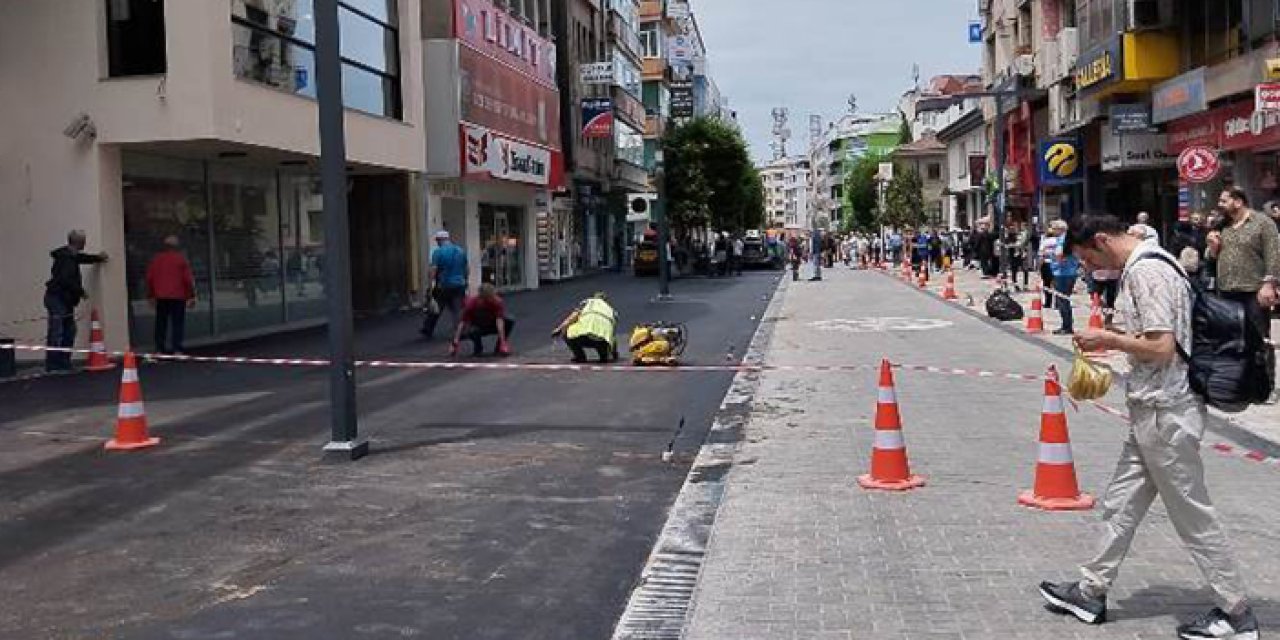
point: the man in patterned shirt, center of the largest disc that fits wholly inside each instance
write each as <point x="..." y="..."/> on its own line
<point x="1247" y="249"/>
<point x="1161" y="456"/>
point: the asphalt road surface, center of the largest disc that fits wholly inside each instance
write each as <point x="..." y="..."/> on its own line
<point x="494" y="505"/>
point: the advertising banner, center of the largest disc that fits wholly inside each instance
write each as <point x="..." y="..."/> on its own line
<point x="489" y="154"/>
<point x="597" y="118"/>
<point x="596" y="73"/>
<point x="1061" y="161"/>
<point x="1180" y="97"/>
<point x="502" y="99"/>
<point x="494" y="33"/>
<point x="682" y="102"/>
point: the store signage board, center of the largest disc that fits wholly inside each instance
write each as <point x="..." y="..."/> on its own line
<point x="1130" y="119"/>
<point x="1267" y="97"/>
<point x="1198" y="164"/>
<point x="597" y="118"/>
<point x="975" y="32"/>
<point x="682" y="102"/>
<point x="488" y="153"/>
<point x="1133" y="151"/>
<point x="1061" y="161"/>
<point x="594" y="73"/>
<point x="1100" y="66"/>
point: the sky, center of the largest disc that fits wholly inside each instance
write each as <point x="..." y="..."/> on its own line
<point x="809" y="55"/>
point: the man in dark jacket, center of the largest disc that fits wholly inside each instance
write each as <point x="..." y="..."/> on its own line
<point x="63" y="292"/>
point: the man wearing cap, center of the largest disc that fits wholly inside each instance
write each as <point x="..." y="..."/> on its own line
<point x="449" y="273"/>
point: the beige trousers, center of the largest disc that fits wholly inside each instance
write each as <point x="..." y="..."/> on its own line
<point x="1162" y="457"/>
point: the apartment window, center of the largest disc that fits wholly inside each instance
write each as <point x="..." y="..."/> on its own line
<point x="650" y="41"/>
<point x="1262" y="22"/>
<point x="934" y="171"/>
<point x="135" y="38"/>
<point x="278" y="49"/>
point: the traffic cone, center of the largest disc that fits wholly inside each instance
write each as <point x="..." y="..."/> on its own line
<point x="131" y="419"/>
<point x="1095" y="313"/>
<point x="889" y="468"/>
<point x="98" y="359"/>
<point x="1056" y="488"/>
<point x="923" y="280"/>
<point x="1035" y="318"/>
<point x="949" y="293"/>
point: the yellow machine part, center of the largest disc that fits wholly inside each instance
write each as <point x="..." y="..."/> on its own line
<point x="648" y="349"/>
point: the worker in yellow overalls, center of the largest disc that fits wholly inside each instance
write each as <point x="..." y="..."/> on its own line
<point x="591" y="326"/>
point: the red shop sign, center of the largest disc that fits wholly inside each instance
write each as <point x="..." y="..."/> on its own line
<point x="495" y="33"/>
<point x="1198" y="164"/>
<point x="504" y="100"/>
<point x="1198" y="130"/>
<point x="1245" y="128"/>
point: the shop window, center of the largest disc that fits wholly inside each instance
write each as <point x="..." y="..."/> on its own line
<point x="248" y="267"/>
<point x="135" y="38"/>
<point x="1262" y="22"/>
<point x="278" y="49"/>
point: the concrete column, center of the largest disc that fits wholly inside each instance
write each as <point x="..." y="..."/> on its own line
<point x="106" y="283"/>
<point x="470" y="239"/>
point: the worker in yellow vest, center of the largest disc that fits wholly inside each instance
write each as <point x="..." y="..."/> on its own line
<point x="591" y="326"/>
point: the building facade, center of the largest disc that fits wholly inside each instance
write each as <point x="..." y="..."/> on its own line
<point x="786" y="193"/>
<point x="198" y="119"/>
<point x="928" y="158"/>
<point x="494" y="154"/>
<point x="834" y="153"/>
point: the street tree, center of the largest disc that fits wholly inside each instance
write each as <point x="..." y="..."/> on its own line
<point x="710" y="180"/>
<point x="904" y="200"/>
<point x="862" y="194"/>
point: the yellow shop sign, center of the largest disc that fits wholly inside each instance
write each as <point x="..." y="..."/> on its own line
<point x="1100" y="68"/>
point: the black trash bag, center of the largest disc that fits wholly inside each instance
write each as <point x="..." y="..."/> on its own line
<point x="1003" y="307"/>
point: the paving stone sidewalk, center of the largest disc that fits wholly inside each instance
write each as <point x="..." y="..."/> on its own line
<point x="1262" y="420"/>
<point x="799" y="551"/>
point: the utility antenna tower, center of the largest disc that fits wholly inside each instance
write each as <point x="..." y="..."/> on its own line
<point x="853" y="104"/>
<point x="780" y="132"/>
<point x="815" y="128"/>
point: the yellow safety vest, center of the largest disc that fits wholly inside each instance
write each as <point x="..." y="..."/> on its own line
<point x="596" y="319"/>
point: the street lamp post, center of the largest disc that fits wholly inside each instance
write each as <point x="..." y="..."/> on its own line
<point x="345" y="439"/>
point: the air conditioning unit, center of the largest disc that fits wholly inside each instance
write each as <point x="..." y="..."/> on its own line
<point x="1068" y="49"/>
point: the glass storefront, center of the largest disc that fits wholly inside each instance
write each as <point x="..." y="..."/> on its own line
<point x="503" y="246"/>
<point x="254" y="237"/>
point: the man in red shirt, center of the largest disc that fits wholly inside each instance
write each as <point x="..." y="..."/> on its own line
<point x="484" y="315"/>
<point x="171" y="289"/>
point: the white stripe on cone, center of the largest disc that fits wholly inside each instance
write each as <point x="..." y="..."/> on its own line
<point x="1053" y="405"/>
<point x="131" y="410"/>
<point x="889" y="440"/>
<point x="1055" y="453"/>
<point x="886" y="395"/>
<point x="130" y="375"/>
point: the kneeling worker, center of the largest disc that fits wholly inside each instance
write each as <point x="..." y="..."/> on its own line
<point x="484" y="315"/>
<point x="591" y="325"/>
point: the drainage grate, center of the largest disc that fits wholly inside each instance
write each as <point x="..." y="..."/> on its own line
<point x="659" y="605"/>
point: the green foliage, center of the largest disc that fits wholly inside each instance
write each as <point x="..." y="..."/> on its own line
<point x="904" y="200"/>
<point x="862" y="194"/>
<point x="710" y="180"/>
<point x="904" y="132"/>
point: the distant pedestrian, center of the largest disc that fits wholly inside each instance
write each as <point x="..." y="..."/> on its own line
<point x="1148" y="232"/>
<point x="171" y="290"/>
<point x="449" y="275"/>
<point x="1161" y="456"/>
<point x="1066" y="270"/>
<point x="736" y="258"/>
<point x="62" y="293"/>
<point x="484" y="315"/>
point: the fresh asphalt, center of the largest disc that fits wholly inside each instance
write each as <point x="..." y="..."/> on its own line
<point x="495" y="504"/>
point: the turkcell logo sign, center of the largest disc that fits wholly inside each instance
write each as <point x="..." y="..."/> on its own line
<point x="1060" y="161"/>
<point x="975" y="32"/>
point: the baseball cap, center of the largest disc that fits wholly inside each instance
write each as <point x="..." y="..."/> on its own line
<point x="442" y="235"/>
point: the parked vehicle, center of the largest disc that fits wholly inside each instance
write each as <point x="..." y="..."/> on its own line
<point x="645" y="262"/>
<point x="756" y="254"/>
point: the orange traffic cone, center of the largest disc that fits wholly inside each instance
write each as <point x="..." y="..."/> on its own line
<point x="98" y="360"/>
<point x="131" y="419"/>
<point x="1095" y="313"/>
<point x="923" y="280"/>
<point x="1056" y="488"/>
<point x="949" y="293"/>
<point x="889" y="467"/>
<point x="1035" y="318"/>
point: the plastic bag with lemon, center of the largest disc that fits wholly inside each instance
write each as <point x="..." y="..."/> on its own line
<point x="1089" y="381"/>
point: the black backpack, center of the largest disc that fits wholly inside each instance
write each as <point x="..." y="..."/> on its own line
<point x="1231" y="365"/>
<point x="1003" y="307"/>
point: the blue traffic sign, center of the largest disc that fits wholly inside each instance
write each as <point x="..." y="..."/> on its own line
<point x="975" y="32"/>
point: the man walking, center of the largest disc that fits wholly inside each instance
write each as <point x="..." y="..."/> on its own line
<point x="63" y="292"/>
<point x="449" y="275"/>
<point x="1161" y="456"/>
<point x="171" y="290"/>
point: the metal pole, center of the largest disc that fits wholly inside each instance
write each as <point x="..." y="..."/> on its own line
<point x="333" y="173"/>
<point x="1002" y="152"/>
<point x="664" y="234"/>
